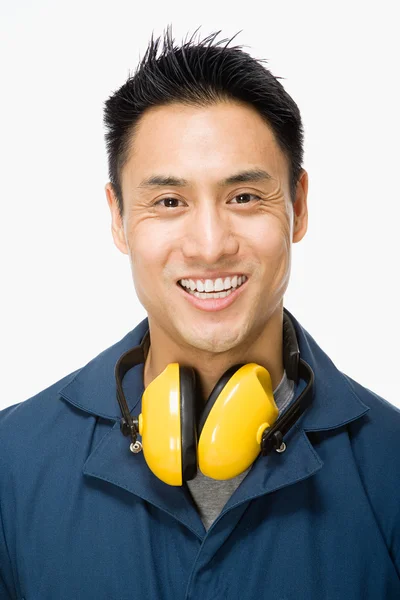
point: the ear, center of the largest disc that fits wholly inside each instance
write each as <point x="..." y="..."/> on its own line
<point x="117" y="226"/>
<point x="300" y="209"/>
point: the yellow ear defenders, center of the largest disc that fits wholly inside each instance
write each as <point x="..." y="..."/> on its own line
<point x="239" y="419"/>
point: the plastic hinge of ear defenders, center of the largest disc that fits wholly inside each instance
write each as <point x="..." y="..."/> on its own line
<point x="131" y="428"/>
<point x="272" y="438"/>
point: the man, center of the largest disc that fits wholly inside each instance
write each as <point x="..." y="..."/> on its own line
<point x="207" y="194"/>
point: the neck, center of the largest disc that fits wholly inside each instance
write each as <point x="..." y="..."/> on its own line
<point x="265" y="350"/>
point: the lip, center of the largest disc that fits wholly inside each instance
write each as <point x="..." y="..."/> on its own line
<point x="213" y="304"/>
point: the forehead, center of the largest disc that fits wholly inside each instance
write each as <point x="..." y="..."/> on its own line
<point x="208" y="142"/>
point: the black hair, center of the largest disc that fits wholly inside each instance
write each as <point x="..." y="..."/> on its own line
<point x="199" y="73"/>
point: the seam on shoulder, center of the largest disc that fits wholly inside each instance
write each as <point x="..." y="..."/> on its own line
<point x="367" y="495"/>
<point x="3" y="535"/>
<point x="395" y="559"/>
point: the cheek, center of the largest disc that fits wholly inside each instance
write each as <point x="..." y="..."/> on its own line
<point x="272" y="239"/>
<point x="149" y="249"/>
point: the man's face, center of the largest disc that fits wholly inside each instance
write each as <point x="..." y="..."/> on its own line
<point x="188" y="215"/>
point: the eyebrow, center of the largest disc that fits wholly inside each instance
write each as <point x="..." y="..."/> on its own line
<point x="240" y="177"/>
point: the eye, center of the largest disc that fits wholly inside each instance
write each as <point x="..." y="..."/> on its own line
<point x="244" y="198"/>
<point x="170" y="202"/>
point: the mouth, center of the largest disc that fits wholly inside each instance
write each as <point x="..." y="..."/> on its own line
<point x="218" y="288"/>
<point x="220" y="293"/>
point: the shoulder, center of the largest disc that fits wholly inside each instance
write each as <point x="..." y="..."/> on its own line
<point x="375" y="442"/>
<point x="375" y="439"/>
<point x="43" y="405"/>
<point x="63" y="414"/>
<point x="37" y="427"/>
<point x="382" y="421"/>
<point x="376" y="435"/>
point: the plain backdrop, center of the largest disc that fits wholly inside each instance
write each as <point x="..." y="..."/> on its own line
<point x="67" y="292"/>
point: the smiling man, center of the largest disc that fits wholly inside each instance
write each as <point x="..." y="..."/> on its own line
<point x="208" y="184"/>
<point x="215" y="451"/>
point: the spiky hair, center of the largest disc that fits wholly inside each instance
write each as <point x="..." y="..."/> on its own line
<point x="199" y="73"/>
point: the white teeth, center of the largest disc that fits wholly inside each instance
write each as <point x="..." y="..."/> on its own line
<point x="215" y="295"/>
<point x="219" y="285"/>
<point x="209" y="286"/>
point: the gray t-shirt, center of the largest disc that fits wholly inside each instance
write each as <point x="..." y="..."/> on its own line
<point x="211" y="495"/>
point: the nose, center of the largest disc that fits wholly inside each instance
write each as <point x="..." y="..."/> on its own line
<point x="209" y="235"/>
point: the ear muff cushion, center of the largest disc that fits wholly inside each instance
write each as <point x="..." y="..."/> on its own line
<point x="187" y="377"/>
<point x="217" y="389"/>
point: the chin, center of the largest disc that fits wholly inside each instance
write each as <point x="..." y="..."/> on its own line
<point x="216" y="342"/>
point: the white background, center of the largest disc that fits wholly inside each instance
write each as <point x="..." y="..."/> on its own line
<point x="67" y="292"/>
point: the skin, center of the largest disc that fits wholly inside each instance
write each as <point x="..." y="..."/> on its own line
<point x="244" y="228"/>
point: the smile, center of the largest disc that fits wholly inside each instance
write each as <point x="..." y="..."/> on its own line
<point x="211" y="301"/>
<point x="212" y="288"/>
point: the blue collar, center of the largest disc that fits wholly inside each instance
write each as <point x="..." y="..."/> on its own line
<point x="92" y="388"/>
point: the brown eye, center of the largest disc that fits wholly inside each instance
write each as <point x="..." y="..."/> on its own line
<point x="169" y="202"/>
<point x="244" y="198"/>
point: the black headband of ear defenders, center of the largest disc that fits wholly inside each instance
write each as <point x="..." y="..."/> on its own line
<point x="272" y="438"/>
